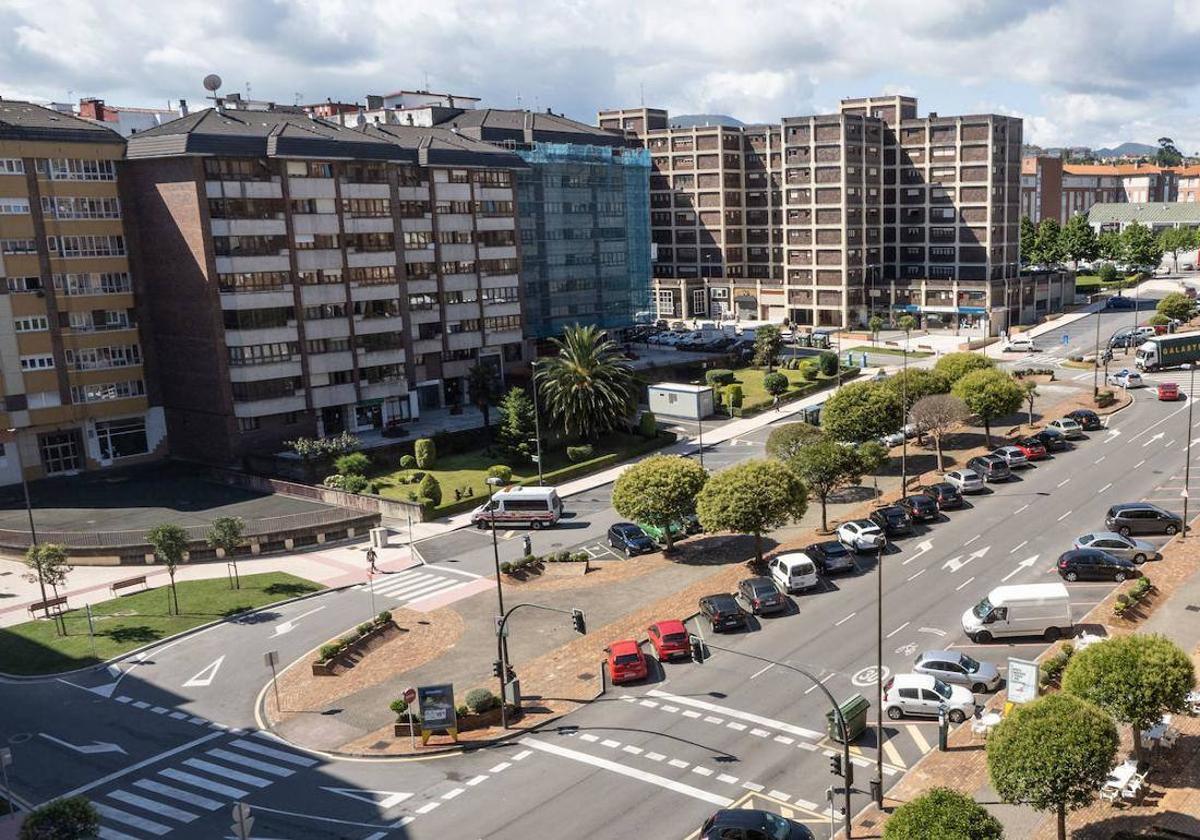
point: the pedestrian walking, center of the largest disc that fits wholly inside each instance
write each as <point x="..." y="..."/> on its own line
<point x="371" y="557"/>
<point x="527" y="544"/>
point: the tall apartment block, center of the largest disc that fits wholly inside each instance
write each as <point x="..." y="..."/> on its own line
<point x="826" y="219"/>
<point x="71" y="360"/>
<point x="306" y="278"/>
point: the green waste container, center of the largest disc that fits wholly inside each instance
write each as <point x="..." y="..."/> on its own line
<point x="854" y="710"/>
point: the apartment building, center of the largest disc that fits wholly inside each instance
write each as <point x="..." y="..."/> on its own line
<point x="826" y="219"/>
<point x="306" y="278"/>
<point x="71" y="359"/>
<point x="1051" y="189"/>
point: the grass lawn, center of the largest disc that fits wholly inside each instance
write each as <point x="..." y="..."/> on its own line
<point x="1089" y="283"/>
<point x="754" y="395"/>
<point x="131" y="621"/>
<point x="895" y="351"/>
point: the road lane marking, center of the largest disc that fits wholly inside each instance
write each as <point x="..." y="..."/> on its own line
<point x="917" y="575"/>
<point x="252" y="763"/>
<point x="194" y="799"/>
<point x="759" y="733"/>
<point x="653" y="756"/>
<point x="678" y="763"/>
<point x="631" y="749"/>
<point x="968" y="542"/>
<point x="144" y="763"/>
<point x="501" y="767"/>
<point x="822" y="681"/>
<point x="1105" y="487"/>
<point x="844" y="620"/>
<point x="727" y="779"/>
<point x="450" y="794"/>
<point x="477" y="780"/>
<point x="780" y="795"/>
<point x="1139" y="463"/>
<point x="587" y="736"/>
<point x="711" y="719"/>
<point x="141" y="823"/>
<point x="687" y="713"/>
<point x="893" y="754"/>
<point x="1065" y="515"/>
<point x="915" y="733"/>
<point x="1019" y="547"/>
<point x="650" y="704"/>
<point x="702" y="771"/>
<point x="1098" y="460"/>
<point x="898" y="629"/>
<point x="736" y="727"/>
<point x="1064" y="481"/>
<point x="427" y="807"/>
<point x="154" y="807"/>
<point x="754" y="786"/>
<point x="226" y="773"/>
<point x="784" y="739"/>
<point x="762" y="670"/>
<point x="204" y="784"/>
<point x="270" y="752"/>
<point x="610" y="743"/>
<point x="1021" y="508"/>
<point x="964" y="583"/>
<point x="782" y="726"/>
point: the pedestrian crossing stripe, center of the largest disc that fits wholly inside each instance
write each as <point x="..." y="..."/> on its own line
<point x="412" y="585"/>
<point x="915" y="732"/>
<point x="893" y="754"/>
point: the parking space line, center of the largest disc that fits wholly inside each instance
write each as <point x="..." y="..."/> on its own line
<point x="915" y="733"/>
<point x="823" y="680"/>
<point x="844" y="620"/>
<point x="893" y="754"/>
<point x="898" y="629"/>
<point x="1065" y="515"/>
<point x="964" y="583"/>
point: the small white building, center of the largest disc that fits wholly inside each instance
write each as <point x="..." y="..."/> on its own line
<point x="687" y="402"/>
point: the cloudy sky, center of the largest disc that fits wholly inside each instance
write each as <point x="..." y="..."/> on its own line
<point x="1086" y="72"/>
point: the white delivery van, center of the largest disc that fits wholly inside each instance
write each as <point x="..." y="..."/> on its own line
<point x="536" y="507"/>
<point x="794" y="571"/>
<point x="1031" y="609"/>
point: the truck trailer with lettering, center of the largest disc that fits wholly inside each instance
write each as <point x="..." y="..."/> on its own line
<point x="1168" y="351"/>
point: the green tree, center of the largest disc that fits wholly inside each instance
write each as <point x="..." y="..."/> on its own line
<point x="1047" y="245"/>
<point x="1175" y="305"/>
<point x="875" y="325"/>
<point x="1111" y="246"/>
<point x="775" y="383"/>
<point x="426" y="451"/>
<point x="1052" y="754"/>
<point x="518" y="426"/>
<point x="936" y="415"/>
<point x="430" y="489"/>
<point x="989" y="394"/>
<point x="1133" y="678"/>
<point x="914" y="383"/>
<point x="75" y="818"/>
<point x="170" y="544"/>
<point x="750" y="498"/>
<point x="482" y="385"/>
<point x="944" y="814"/>
<point x="48" y="565"/>
<point x="954" y="366"/>
<point x="227" y="533"/>
<point x="1141" y="248"/>
<point x="1028" y="238"/>
<point x="1030" y="393"/>
<point x="1167" y="154"/>
<point x="768" y="343"/>
<point x="828" y="362"/>
<point x="355" y="463"/>
<point x="1108" y="274"/>
<point x="1174" y="240"/>
<point x="825" y="466"/>
<point x="907" y="323"/>
<point x="861" y="411"/>
<point x="659" y="491"/>
<point x="588" y="387"/>
<point x="788" y="439"/>
<point x="1078" y="239"/>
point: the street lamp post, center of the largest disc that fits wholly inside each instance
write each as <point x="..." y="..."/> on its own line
<point x="537" y="424"/>
<point x="492" y="483"/>
<point x="879" y="679"/>
<point x="904" y="421"/>
<point x="1096" y="361"/>
<point x="11" y="436"/>
<point x="700" y="429"/>
<point x="1187" y="463"/>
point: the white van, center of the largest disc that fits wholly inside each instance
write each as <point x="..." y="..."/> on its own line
<point x="536" y="507"/>
<point x="1031" y="609"/>
<point x="1020" y="344"/>
<point x="794" y="571"/>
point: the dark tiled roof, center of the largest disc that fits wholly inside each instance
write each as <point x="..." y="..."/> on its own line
<point x="496" y="124"/>
<point x="26" y="121"/>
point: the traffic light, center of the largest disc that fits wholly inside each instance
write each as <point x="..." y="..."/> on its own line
<point x="835" y="765"/>
<point x="497" y="669"/>
<point x="577" y="620"/>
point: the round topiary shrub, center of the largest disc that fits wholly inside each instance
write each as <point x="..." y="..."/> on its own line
<point x="733" y="396"/>
<point x="579" y="453"/>
<point x="829" y="363"/>
<point x="426" y="453"/>
<point x="719" y="376"/>
<point x="500" y="471"/>
<point x="430" y="489"/>
<point x="808" y="369"/>
<point x="648" y="424"/>
<point x="775" y="383"/>
<point x="356" y="463"/>
<point x="407" y="462"/>
<point x="480" y="700"/>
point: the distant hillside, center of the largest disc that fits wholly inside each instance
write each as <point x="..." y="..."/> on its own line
<point x="1126" y="149"/>
<point x="689" y="120"/>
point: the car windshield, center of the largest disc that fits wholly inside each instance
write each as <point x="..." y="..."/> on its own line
<point x="969" y="665"/>
<point x="675" y="638"/>
<point x="942" y="689"/>
<point x="777" y="827"/>
<point x="834" y="549"/>
<point x="760" y="589"/>
<point x="627" y="659"/>
<point x="982" y="609"/>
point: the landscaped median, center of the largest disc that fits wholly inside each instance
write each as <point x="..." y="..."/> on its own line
<point x="131" y="621"/>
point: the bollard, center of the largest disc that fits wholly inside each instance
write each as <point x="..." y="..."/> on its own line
<point x="943" y="728"/>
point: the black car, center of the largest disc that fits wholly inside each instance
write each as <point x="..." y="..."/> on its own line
<point x="1120" y="302"/>
<point x="1052" y="439"/>
<point x="1087" y="419"/>
<point x="762" y="595"/>
<point x="831" y="557"/>
<point x="991" y="467"/>
<point x="1142" y="518"/>
<point x="723" y="612"/>
<point x="945" y="494"/>
<point x="631" y="539"/>
<point x="748" y="824"/>
<point x="1094" y="564"/>
<point x="920" y="507"/>
<point x="893" y="519"/>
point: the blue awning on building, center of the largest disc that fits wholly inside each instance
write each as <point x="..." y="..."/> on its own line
<point x="906" y="307"/>
<point x="972" y="310"/>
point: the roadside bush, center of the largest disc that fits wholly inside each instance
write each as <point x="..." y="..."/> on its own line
<point x="356" y="463"/>
<point x="500" y="471"/>
<point x="62" y="819"/>
<point x="719" y="376"/>
<point x="329" y="651"/>
<point x="506" y="568"/>
<point x="648" y="424"/>
<point x="407" y="462"/>
<point x="733" y="396"/>
<point x="480" y="700"/>
<point x="580" y="557"/>
<point x="808" y="369"/>
<point x="365" y="628"/>
<point x="1105" y="398"/>
<point x="1158" y="319"/>
<point x="775" y="383"/>
<point x="426" y="453"/>
<point x="462" y="710"/>
<point x="1052" y="668"/>
<point x="829" y="363"/>
<point x="384" y="617"/>
<point x="336" y="481"/>
<point x="1107" y="274"/>
<point x="430" y="489"/>
<point x="346" y="641"/>
<point x="575" y="454"/>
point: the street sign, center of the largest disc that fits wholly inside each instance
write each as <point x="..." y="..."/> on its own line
<point x="242" y="821"/>
<point x="438" y="715"/>
<point x="501" y="627"/>
<point x="1066" y="339"/>
<point x="271" y="658"/>
<point x="410" y="694"/>
<point x="1022" y="680"/>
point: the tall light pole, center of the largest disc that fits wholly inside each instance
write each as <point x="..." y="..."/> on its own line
<point x="878" y="783"/>
<point x="537" y="426"/>
<point x="10" y="436"/>
<point x="493" y="482"/>
<point x="1187" y="463"/>
<point x="1096" y="361"/>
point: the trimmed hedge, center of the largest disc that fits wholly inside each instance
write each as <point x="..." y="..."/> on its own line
<point x="575" y="454"/>
<point x="426" y="453"/>
<point x="719" y="376"/>
<point x="332" y="649"/>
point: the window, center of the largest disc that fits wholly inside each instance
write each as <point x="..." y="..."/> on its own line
<point x="256" y="281"/>
<point x="99" y="358"/>
<point x="122" y="438"/>
<point x="266" y="389"/>
<point x="468" y="325"/>
<point x="431" y="330"/>
<point x="493" y="208"/>
<point x="456" y="237"/>
<point x="248" y="424"/>
<point x="245" y="208"/>
<point x="316" y="346"/>
<point x="18" y="246"/>
<point x="68" y="169"/>
<point x="413" y="209"/>
<point x="249" y="246"/>
<point x="459" y="176"/>
<point x="106" y="283"/>
<point x="418" y="238"/>
<point x="419" y="270"/>
<point x="505" y="294"/>
<point x="366" y="173"/>
<point x="377" y="308"/>
<point x="457" y="267"/>
<point x="453" y="207"/>
<point x="40" y="362"/>
<point x="43" y="399"/>
<point x="496" y="238"/>
<point x="24" y="284"/>
<point x="315" y="241"/>
<point x="240" y="169"/>
<point x="507" y="265"/>
<point x="502" y="322"/>
<point x="12" y="166"/>
<point x="86" y="246"/>
<point x="31" y="323"/>
<point x="318" y="170"/>
<point x="359" y="208"/>
<point x="370" y="242"/>
<point x="61" y="451"/>
<point x="68" y="207"/>
<point x="14" y="206"/>
<point x="489" y="178"/>
<point x="374" y="342"/>
<point x="264" y="354"/>
<point x="324" y="310"/>
<point x="461" y="296"/>
<point x="321" y="277"/>
<point x="104" y="392"/>
<point x="258" y="319"/>
<point x="373" y="275"/>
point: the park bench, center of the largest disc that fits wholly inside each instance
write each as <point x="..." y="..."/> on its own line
<point x="128" y="582"/>
<point x="48" y="604"/>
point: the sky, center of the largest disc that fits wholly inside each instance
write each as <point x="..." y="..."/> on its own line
<point x="1080" y="72"/>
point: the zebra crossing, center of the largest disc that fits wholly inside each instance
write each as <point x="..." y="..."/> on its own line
<point x="159" y="802"/>
<point x="413" y="585"/>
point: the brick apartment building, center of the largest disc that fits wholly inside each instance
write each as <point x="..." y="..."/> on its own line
<point x="71" y="359"/>
<point x="305" y="278"/>
<point x="825" y="219"/>
<point x="1052" y="189"/>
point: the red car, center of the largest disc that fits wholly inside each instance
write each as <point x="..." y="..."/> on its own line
<point x="626" y="661"/>
<point x="670" y="640"/>
<point x="1168" y="391"/>
<point x="1033" y="448"/>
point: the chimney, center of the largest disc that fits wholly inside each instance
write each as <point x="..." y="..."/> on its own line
<point x="91" y="109"/>
<point x="183" y="108"/>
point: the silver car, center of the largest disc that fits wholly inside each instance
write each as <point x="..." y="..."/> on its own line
<point x="1012" y="456"/>
<point x="1127" y="548"/>
<point x="965" y="481"/>
<point x="957" y="668"/>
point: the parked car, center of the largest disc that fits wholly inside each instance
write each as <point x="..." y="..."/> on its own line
<point x="920" y="507"/>
<point x="1070" y="429"/>
<point x="1120" y="302"/>
<point x="893" y="519"/>
<point x="957" y="668"/>
<point x="861" y="535"/>
<point x="1020" y="344"/>
<point x="1052" y="439"/>
<point x="1168" y="391"/>
<point x="922" y="695"/>
<point x="990" y="467"/>
<point x="1032" y="448"/>
<point x="1093" y="564"/>
<point x="1127" y="548"/>
<point x="1087" y="419"/>
<point x="723" y="612"/>
<point x="751" y="824"/>
<point x="831" y="557"/>
<point x="944" y="494"/>
<point x="690" y="524"/>
<point x="1011" y="455"/>
<point x="965" y="481"/>
<point x="762" y="595"/>
<point x="670" y="640"/>
<point x="1126" y="379"/>
<point x="626" y="662"/>
<point x="794" y="571"/>
<point x="1142" y="518"/>
<point x="630" y="538"/>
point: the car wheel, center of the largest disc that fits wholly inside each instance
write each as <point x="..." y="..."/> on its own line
<point x="1051" y="634"/>
<point x="481" y="525"/>
<point x="1119" y="577"/>
<point x="1123" y="530"/>
<point x="982" y="637"/>
<point x="1139" y="559"/>
<point x="978" y="688"/>
<point x="536" y="525"/>
<point x="1071" y="576"/>
<point x="894" y="713"/>
<point x="956" y="716"/>
<point x="1171" y="529"/>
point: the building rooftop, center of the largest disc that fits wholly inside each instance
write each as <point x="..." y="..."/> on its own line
<point x="1145" y="212"/>
<point x="499" y="124"/>
<point x="26" y="121"/>
<point x="1113" y="169"/>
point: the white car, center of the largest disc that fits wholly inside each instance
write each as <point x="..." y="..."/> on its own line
<point x="1020" y="344"/>
<point x="861" y="535"/>
<point x="1012" y="456"/>
<point x="1070" y="429"/>
<point x="965" y="481"/>
<point x="1126" y="379"/>
<point x="923" y="695"/>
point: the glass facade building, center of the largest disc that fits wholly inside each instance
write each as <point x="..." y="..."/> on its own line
<point x="584" y="223"/>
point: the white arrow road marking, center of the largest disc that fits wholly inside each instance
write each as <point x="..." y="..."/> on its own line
<point x="1024" y="564"/>
<point x="922" y="548"/>
<point x="85" y="749"/>
<point x="383" y="799"/>
<point x="1153" y="438"/>
<point x="953" y="565"/>
<point x="206" y="675"/>
<point x="290" y="625"/>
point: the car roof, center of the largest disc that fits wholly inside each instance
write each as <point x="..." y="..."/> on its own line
<point x="1136" y="506"/>
<point x="624" y="646"/>
<point x="793" y="557"/>
<point x="759" y="581"/>
<point x="862" y="523"/>
<point x="952" y="655"/>
<point x="739" y="817"/>
<point x="912" y="681"/>
<point x="718" y="596"/>
<point x="670" y="625"/>
<point x="625" y="527"/>
<point x="889" y="509"/>
<point x="1102" y="535"/>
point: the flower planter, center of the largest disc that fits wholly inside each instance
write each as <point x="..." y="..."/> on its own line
<point x="377" y="636"/>
<point x="466" y="723"/>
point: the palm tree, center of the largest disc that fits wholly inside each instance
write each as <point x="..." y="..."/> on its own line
<point x="481" y="389"/>
<point x="588" y="386"/>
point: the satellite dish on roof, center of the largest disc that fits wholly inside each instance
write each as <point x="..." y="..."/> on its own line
<point x="212" y="82"/>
